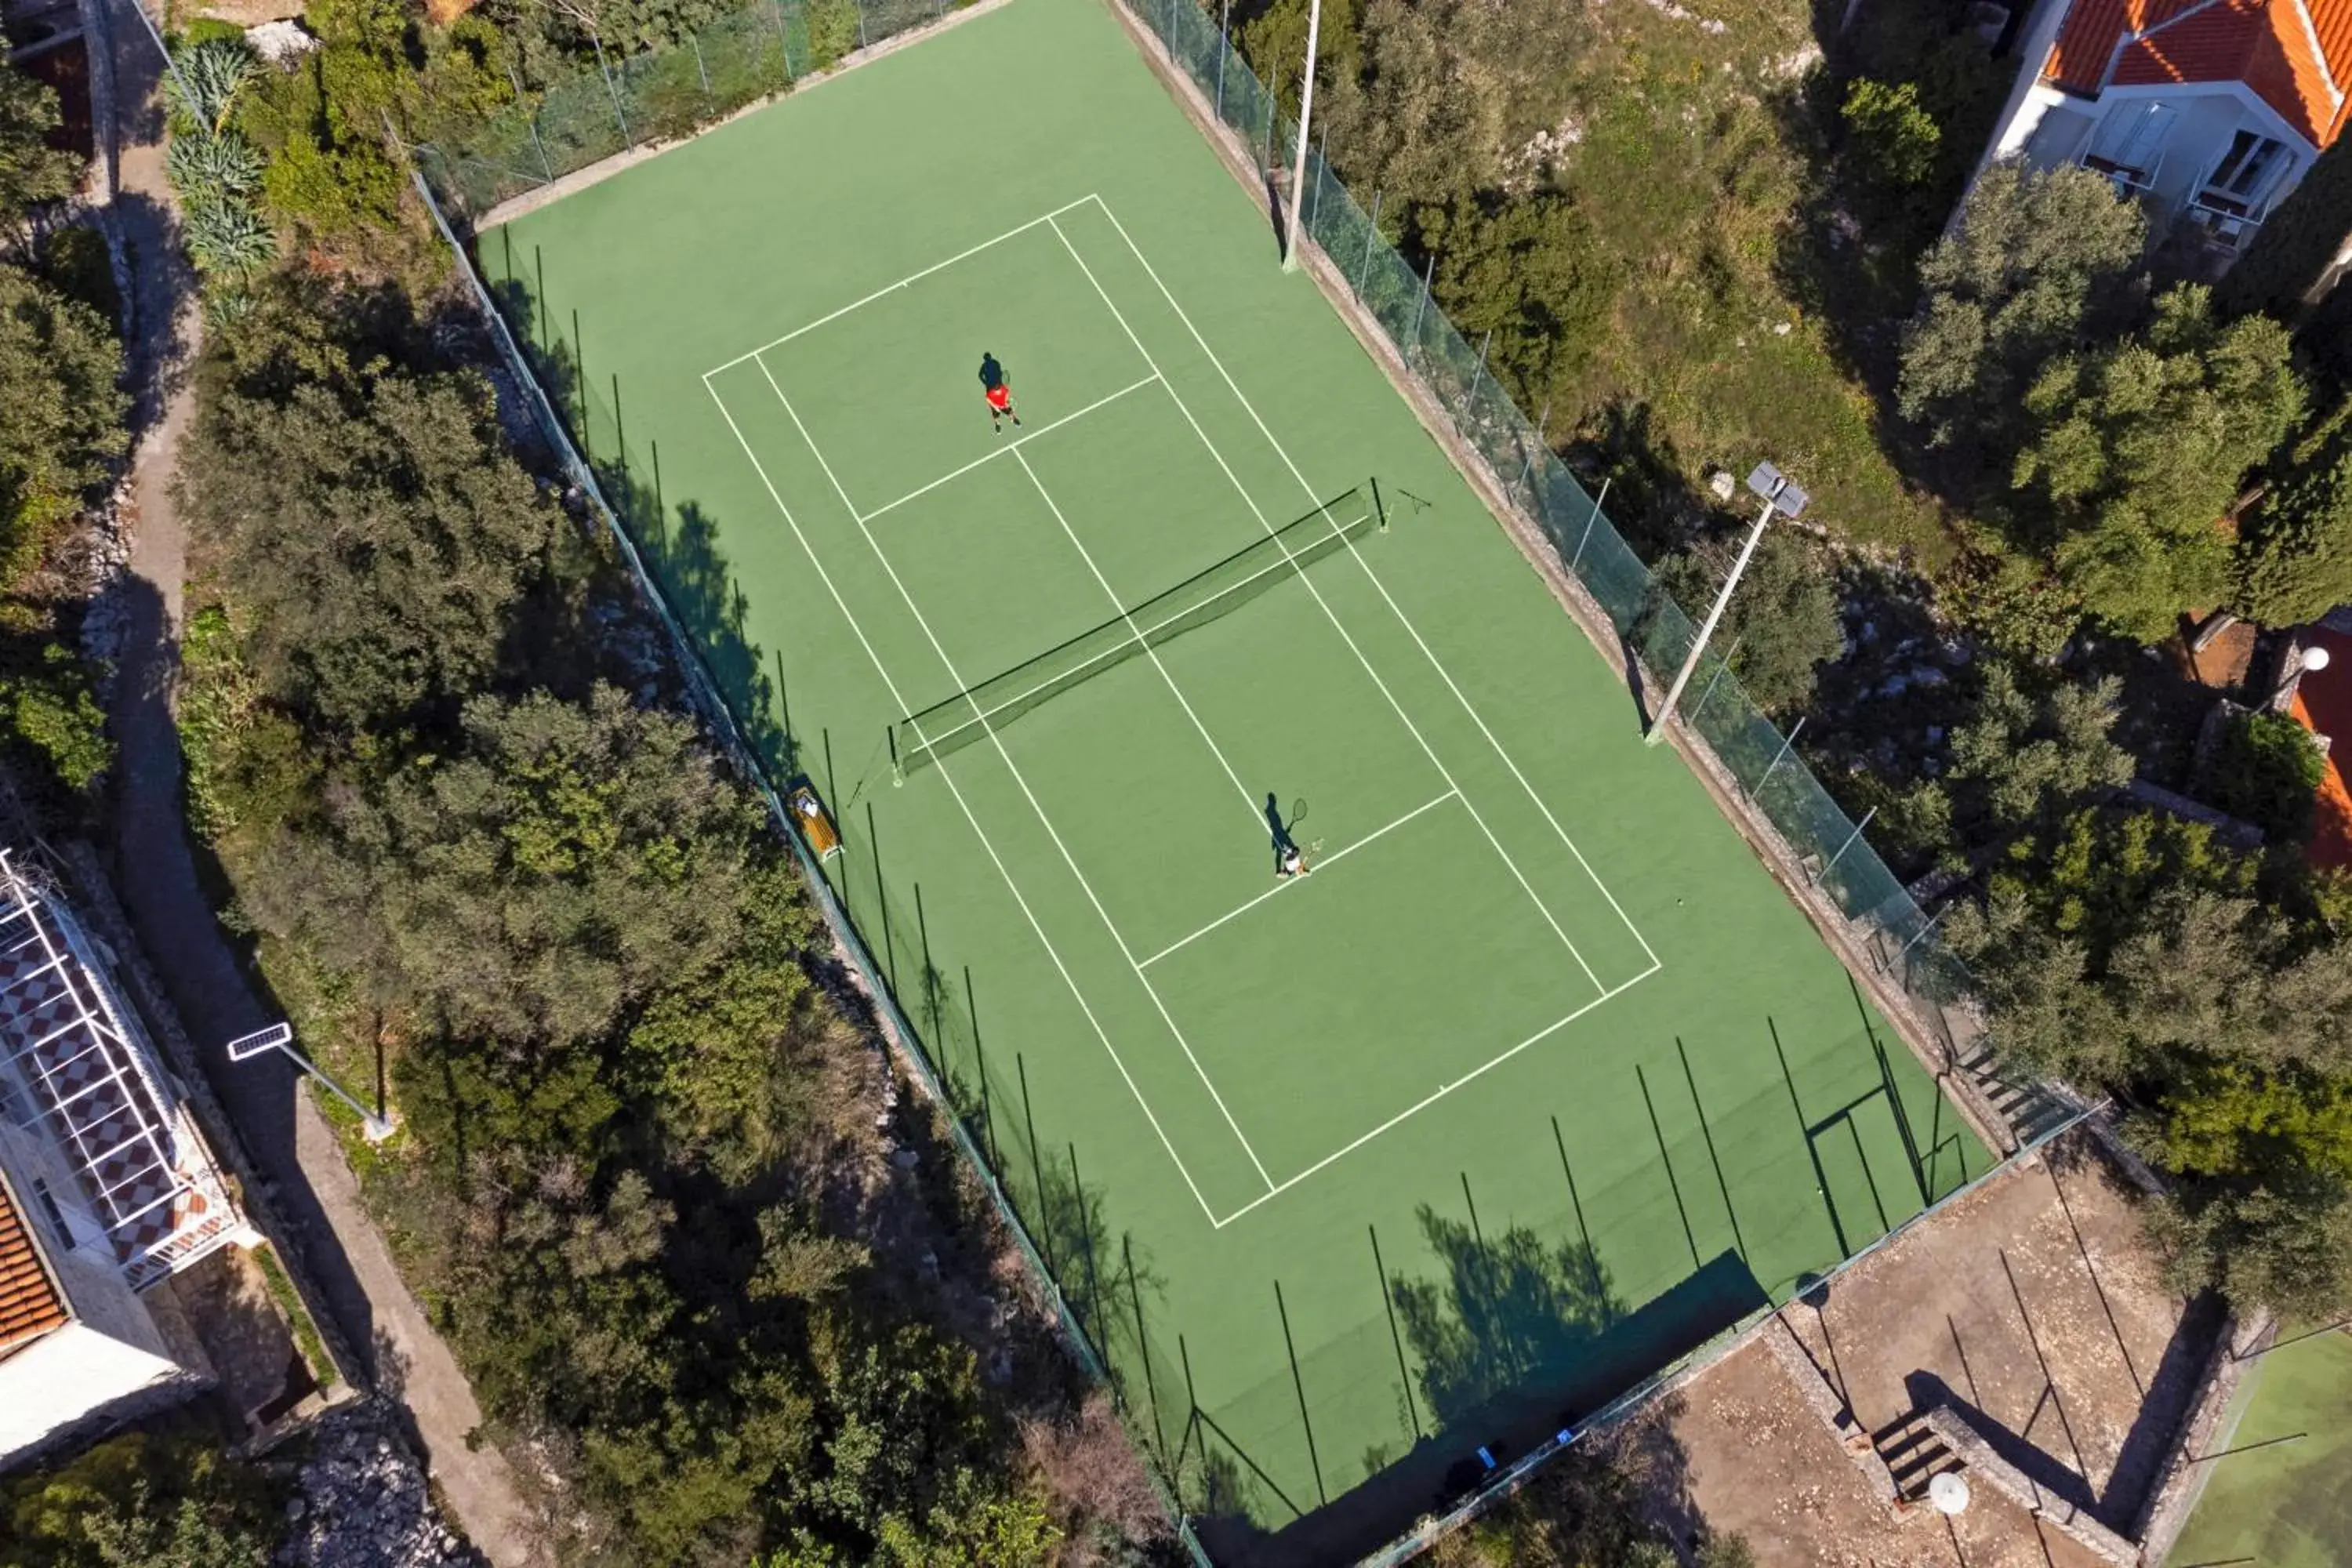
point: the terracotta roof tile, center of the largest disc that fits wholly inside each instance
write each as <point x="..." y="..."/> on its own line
<point x="30" y="1304"/>
<point x="2297" y="54"/>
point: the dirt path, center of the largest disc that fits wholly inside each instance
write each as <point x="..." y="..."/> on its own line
<point x="286" y="1138"/>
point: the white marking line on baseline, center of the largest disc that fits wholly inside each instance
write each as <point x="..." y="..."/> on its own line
<point x="998" y="740"/>
<point x="1442" y="673"/>
<point x="1249" y="802"/>
<point x="1540" y="1035"/>
<point x="1012" y="446"/>
<point x="986" y="842"/>
<point x="1340" y="626"/>
<point x="893" y="287"/>
<point x="1336" y="856"/>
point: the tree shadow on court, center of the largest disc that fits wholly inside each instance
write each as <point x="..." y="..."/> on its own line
<point x="1504" y="1314"/>
<point x="1515" y="1338"/>
<point x="679" y="544"/>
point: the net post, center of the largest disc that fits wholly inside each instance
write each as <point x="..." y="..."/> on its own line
<point x="1380" y="508"/>
<point x="897" y="771"/>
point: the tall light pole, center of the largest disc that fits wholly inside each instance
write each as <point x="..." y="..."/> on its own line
<point x="280" y="1037"/>
<point x="1298" y="168"/>
<point x="1780" y="494"/>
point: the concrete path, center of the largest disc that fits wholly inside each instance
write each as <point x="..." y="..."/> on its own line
<point x="218" y="996"/>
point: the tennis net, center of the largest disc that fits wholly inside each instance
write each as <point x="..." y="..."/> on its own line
<point x="980" y="710"/>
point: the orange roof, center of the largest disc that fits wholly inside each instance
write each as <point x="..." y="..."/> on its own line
<point x="30" y="1304"/>
<point x="2295" y="54"/>
<point x="2323" y="702"/>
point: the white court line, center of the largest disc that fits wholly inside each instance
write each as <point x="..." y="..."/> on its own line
<point x="1442" y="673"/>
<point x="1336" y="856"/>
<point x="1428" y="1100"/>
<point x="986" y="842"/>
<point x="998" y="741"/>
<point x="1012" y="446"/>
<point x="1403" y="717"/>
<point x="910" y="277"/>
<point x="1249" y="801"/>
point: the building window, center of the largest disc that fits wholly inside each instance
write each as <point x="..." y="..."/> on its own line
<point x="2252" y="162"/>
<point x="2131" y="134"/>
<point x="57" y="1216"/>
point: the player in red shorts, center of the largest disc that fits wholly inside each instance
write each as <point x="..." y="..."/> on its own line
<point x="999" y="393"/>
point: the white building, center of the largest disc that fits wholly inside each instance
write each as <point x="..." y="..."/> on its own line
<point x="106" y="1189"/>
<point x="2211" y="110"/>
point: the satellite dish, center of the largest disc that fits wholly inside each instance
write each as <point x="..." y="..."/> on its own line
<point x="1949" y="1492"/>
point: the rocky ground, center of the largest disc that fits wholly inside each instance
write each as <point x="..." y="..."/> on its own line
<point x="361" y="1501"/>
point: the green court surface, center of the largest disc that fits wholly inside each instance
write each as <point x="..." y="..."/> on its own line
<point x="2281" y="1493"/>
<point x="1538" y="1080"/>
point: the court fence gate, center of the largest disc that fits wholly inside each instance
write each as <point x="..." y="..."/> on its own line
<point x="758" y="51"/>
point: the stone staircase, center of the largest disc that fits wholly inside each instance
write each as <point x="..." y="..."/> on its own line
<point x="1913" y="1453"/>
<point x="2030" y="1109"/>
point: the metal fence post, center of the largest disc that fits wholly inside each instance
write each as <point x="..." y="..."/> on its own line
<point x="1543" y="426"/>
<point x="1372" y="233"/>
<point x="619" y="117"/>
<point x="1832" y="864"/>
<point x="1322" y="167"/>
<point x="1224" y="47"/>
<point x="1586" y="537"/>
<point x="1273" y="117"/>
<point x="784" y="38"/>
<point x="531" y="121"/>
<point x="1168" y="33"/>
<point x="1478" y="376"/>
<point x="1429" y="270"/>
<point x="1693" y="719"/>
<point x="695" y="43"/>
<point x="1787" y="740"/>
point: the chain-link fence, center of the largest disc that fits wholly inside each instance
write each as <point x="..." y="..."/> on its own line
<point x="617" y="104"/>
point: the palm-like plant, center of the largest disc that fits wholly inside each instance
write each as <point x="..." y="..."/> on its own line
<point x="228" y="239"/>
<point x="207" y="77"/>
<point x="213" y="168"/>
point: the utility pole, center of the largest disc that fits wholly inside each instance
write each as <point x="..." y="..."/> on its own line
<point x="1298" y="169"/>
<point x="1780" y="494"/>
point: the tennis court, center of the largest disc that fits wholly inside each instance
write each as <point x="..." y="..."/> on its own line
<point x="1534" y="1081"/>
<point x="2276" y="1495"/>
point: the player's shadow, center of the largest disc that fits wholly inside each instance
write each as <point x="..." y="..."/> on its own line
<point x="1278" y="828"/>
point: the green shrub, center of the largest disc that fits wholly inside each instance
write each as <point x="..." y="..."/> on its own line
<point x="832" y="29"/>
<point x="210" y="29"/>
<point x="2267" y="770"/>
<point x="1892" y="142"/>
<point x="76" y="263"/>
<point x="51" y="709"/>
